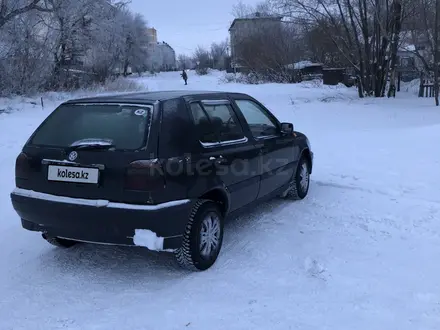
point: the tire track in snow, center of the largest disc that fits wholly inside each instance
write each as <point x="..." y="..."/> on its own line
<point x="405" y="193"/>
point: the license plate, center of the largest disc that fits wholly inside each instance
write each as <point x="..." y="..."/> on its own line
<point x="73" y="174"/>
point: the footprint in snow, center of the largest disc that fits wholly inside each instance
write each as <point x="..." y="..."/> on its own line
<point x="313" y="267"/>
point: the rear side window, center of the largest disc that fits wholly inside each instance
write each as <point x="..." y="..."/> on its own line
<point x="125" y="126"/>
<point x="175" y="137"/>
<point x="216" y="123"/>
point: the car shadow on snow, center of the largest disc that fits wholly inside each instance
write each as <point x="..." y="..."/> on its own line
<point x="138" y="263"/>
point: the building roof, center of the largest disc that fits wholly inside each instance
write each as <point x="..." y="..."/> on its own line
<point x="407" y="48"/>
<point x="255" y="18"/>
<point x="144" y="97"/>
<point x="302" y="65"/>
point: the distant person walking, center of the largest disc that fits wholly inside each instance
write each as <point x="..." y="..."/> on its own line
<point x="185" y="77"/>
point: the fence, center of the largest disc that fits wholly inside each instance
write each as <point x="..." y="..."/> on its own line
<point x="426" y="88"/>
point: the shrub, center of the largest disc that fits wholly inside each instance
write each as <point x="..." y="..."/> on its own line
<point x="202" y="71"/>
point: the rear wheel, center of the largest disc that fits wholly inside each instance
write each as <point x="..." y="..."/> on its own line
<point x="203" y="238"/>
<point x="59" y="242"/>
<point x="300" y="183"/>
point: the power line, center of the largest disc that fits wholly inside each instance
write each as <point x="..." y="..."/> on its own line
<point x="208" y="24"/>
<point x="202" y="31"/>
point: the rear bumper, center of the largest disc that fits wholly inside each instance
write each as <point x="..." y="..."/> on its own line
<point x="157" y="227"/>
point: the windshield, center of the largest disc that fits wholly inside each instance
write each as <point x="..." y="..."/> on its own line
<point x="119" y="126"/>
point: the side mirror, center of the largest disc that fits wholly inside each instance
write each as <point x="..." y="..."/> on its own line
<point x="286" y="128"/>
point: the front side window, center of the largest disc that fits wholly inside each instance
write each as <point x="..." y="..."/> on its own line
<point x="124" y="126"/>
<point x="216" y="123"/>
<point x="260" y="123"/>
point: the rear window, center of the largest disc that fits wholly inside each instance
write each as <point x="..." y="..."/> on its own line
<point x="126" y="126"/>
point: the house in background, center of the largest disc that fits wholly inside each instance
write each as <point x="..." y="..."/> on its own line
<point x="246" y="27"/>
<point x="409" y="64"/>
<point x="161" y="56"/>
<point x="412" y="42"/>
<point x="305" y="70"/>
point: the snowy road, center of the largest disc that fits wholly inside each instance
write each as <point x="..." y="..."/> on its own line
<point x="361" y="252"/>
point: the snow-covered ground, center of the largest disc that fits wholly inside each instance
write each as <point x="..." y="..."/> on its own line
<point x="361" y="252"/>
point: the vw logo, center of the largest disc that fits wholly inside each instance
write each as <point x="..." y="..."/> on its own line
<point x="73" y="155"/>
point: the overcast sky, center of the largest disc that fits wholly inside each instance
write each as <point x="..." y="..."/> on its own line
<point x="187" y="24"/>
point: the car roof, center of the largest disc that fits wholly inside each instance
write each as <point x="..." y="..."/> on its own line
<point x="150" y="96"/>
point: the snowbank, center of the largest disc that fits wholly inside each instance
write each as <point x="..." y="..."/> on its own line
<point x="359" y="253"/>
<point x="50" y="100"/>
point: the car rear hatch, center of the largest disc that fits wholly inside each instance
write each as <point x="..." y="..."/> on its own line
<point x="93" y="151"/>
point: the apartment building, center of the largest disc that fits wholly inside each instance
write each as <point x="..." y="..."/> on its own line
<point x="245" y="27"/>
<point x="161" y="56"/>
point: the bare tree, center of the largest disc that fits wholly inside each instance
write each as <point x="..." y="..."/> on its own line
<point x="242" y="10"/>
<point x="269" y="51"/>
<point x="420" y="32"/>
<point x="219" y="52"/>
<point x="66" y="44"/>
<point x="9" y="9"/>
<point x="118" y="43"/>
<point x="316" y="44"/>
<point x="396" y="25"/>
<point x="24" y="65"/>
<point x="184" y="62"/>
<point x="202" y="57"/>
<point x="423" y="38"/>
<point x="105" y="54"/>
<point x="136" y="42"/>
<point x="365" y="33"/>
<point x="70" y="27"/>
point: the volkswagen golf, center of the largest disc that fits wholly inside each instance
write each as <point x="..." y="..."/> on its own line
<point x="161" y="170"/>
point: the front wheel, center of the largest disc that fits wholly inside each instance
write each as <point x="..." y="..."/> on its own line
<point x="300" y="183"/>
<point x="203" y="237"/>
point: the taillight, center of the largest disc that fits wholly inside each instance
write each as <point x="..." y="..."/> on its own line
<point x="144" y="175"/>
<point x="22" y="166"/>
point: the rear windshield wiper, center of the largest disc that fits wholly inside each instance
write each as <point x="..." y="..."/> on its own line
<point x="90" y="144"/>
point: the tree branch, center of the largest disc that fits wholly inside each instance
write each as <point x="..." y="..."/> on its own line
<point x="33" y="5"/>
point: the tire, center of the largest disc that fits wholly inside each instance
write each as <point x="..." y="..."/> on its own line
<point x="59" y="242"/>
<point x="206" y="216"/>
<point x="300" y="183"/>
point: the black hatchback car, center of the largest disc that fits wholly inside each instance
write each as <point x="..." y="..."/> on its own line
<point x="160" y="170"/>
